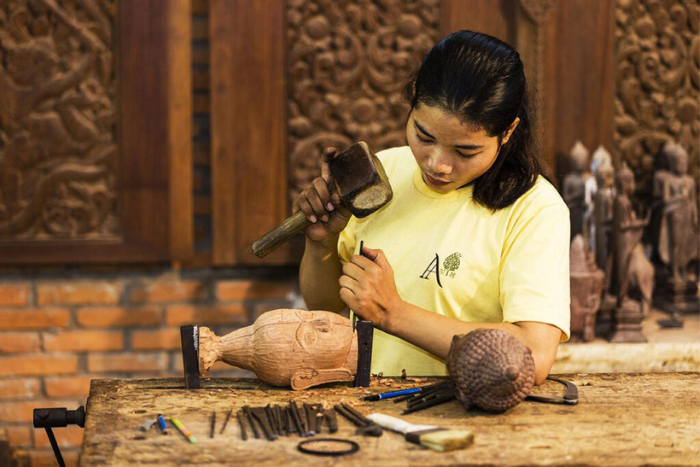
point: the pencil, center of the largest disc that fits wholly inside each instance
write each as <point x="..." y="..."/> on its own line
<point x="387" y="395"/>
<point x="185" y="432"/>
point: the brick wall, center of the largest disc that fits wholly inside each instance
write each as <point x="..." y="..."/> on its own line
<point x="58" y="333"/>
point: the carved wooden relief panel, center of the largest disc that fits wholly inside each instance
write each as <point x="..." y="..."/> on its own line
<point x="57" y="120"/>
<point x="658" y="76"/>
<point x="348" y="62"/>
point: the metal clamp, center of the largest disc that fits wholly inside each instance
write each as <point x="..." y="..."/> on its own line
<point x="56" y="418"/>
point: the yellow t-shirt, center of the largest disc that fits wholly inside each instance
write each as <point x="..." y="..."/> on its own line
<point x="457" y="258"/>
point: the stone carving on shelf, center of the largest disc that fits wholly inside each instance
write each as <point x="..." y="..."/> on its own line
<point x="601" y="239"/>
<point x="600" y="156"/>
<point x="287" y="347"/>
<point x="657" y="84"/>
<point x="57" y="118"/>
<point x="574" y="187"/>
<point x="675" y="232"/>
<point x="603" y="202"/>
<point x="659" y="181"/>
<point x="632" y="275"/>
<point x="348" y="62"/>
<point x="587" y="282"/>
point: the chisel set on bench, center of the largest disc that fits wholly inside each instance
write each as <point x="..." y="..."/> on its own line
<point x="272" y="421"/>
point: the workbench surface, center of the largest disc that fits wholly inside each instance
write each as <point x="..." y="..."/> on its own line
<point x="621" y="419"/>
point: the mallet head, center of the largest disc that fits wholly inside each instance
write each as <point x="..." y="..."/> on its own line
<point x="360" y="180"/>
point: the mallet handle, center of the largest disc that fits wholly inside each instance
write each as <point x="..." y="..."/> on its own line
<point x="291" y="226"/>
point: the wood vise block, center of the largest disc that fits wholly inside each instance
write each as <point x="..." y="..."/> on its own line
<point x="189" y="339"/>
<point x="365" y="334"/>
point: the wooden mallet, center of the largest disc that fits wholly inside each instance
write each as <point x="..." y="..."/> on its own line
<point x="359" y="179"/>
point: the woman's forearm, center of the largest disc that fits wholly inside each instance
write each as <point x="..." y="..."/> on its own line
<point x="318" y="277"/>
<point x="434" y="333"/>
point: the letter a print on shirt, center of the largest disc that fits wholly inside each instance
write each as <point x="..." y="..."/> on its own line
<point x="433" y="267"/>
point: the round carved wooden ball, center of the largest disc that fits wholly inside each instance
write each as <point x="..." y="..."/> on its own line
<point x="492" y="369"/>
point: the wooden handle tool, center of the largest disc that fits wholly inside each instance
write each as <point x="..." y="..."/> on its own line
<point x="359" y="179"/>
<point x="429" y="436"/>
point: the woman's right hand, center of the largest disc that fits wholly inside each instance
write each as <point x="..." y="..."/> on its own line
<point x="322" y="205"/>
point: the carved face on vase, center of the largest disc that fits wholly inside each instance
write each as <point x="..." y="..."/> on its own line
<point x="317" y="337"/>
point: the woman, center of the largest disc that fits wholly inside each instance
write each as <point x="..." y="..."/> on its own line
<point x="474" y="237"/>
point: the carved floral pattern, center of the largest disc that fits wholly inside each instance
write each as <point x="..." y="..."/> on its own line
<point x="57" y="114"/>
<point x="348" y="61"/>
<point x="658" y="77"/>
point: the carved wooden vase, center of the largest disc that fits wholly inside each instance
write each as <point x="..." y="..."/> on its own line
<point x="491" y="368"/>
<point x="287" y="347"/>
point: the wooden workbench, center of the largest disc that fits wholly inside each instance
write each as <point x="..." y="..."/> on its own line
<point x="621" y="419"/>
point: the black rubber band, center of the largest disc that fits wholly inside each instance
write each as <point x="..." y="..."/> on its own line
<point x="352" y="447"/>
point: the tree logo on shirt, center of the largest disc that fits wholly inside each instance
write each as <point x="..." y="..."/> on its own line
<point x="449" y="267"/>
<point x="451" y="264"/>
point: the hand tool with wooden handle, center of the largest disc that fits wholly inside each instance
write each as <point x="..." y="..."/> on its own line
<point x="359" y="179"/>
<point x="429" y="436"/>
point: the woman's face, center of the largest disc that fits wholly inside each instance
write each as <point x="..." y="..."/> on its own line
<point x="449" y="153"/>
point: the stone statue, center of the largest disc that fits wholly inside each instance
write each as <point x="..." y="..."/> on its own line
<point x="678" y="240"/>
<point x="287" y="347"/>
<point x="601" y="240"/>
<point x="587" y="282"/>
<point x="631" y="269"/>
<point x="600" y="156"/>
<point x="574" y="187"/>
<point x="659" y="181"/>
<point x="675" y="230"/>
<point x="603" y="202"/>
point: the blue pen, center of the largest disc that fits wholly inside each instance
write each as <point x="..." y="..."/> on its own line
<point x="161" y="424"/>
<point x="387" y="395"/>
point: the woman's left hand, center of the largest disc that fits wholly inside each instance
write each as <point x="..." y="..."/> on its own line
<point x="367" y="286"/>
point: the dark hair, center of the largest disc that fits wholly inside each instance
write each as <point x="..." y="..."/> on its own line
<point x="480" y="80"/>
